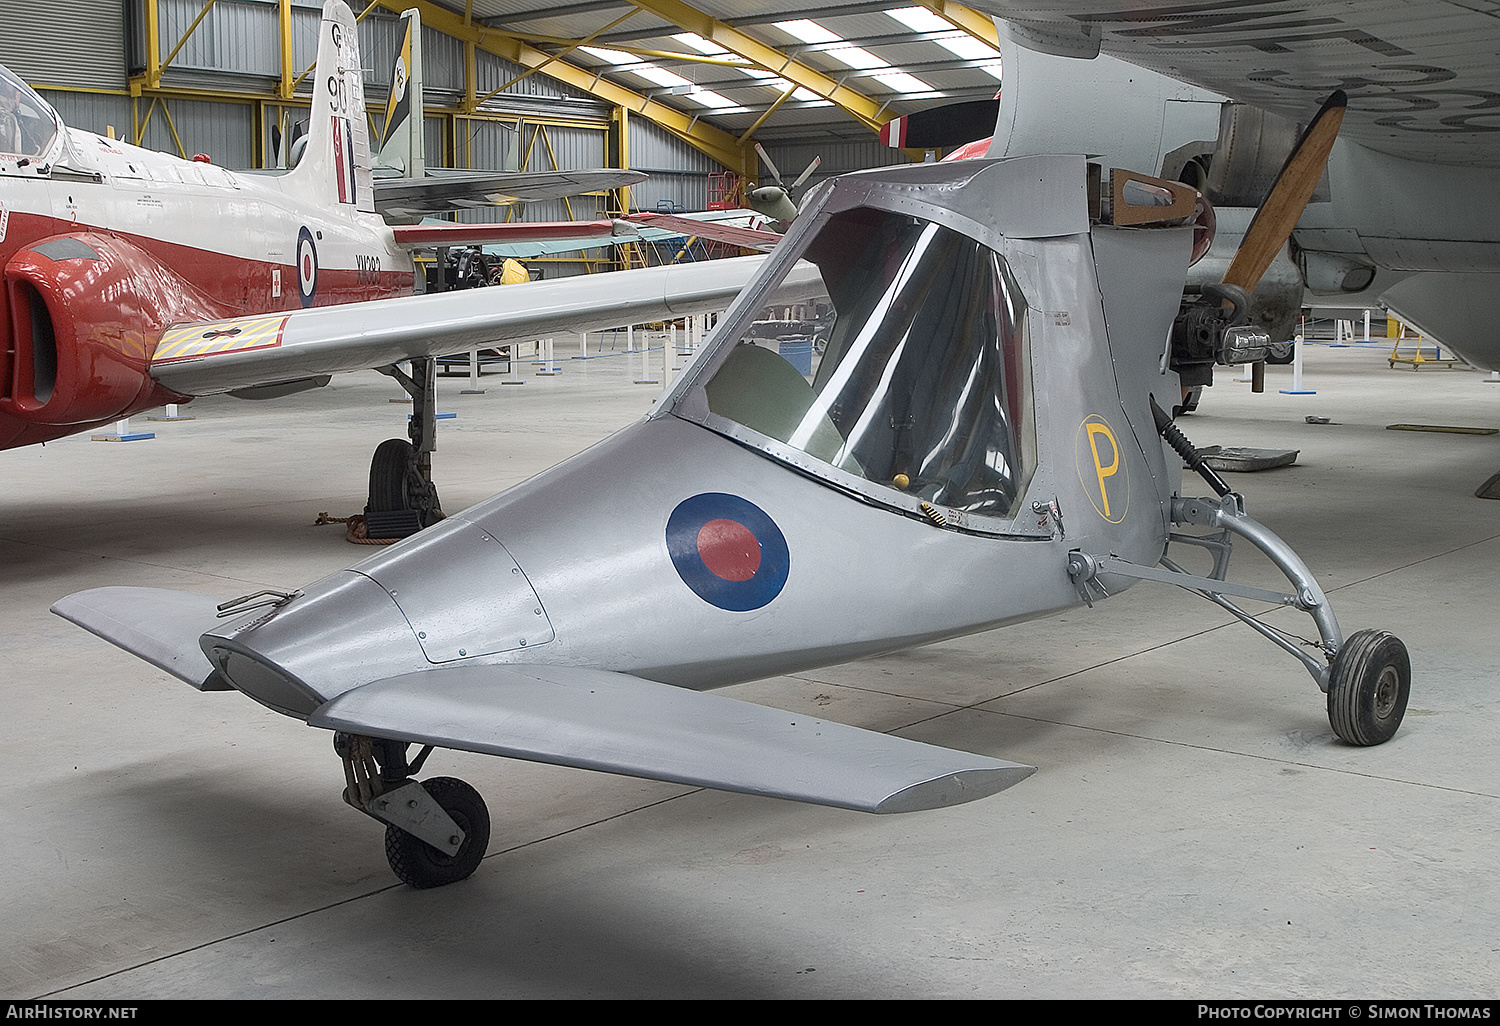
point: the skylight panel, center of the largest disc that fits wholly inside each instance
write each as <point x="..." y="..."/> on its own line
<point x="697" y="42"/>
<point x="807" y="31"/>
<point x="661" y="76"/>
<point x="856" y="57"/>
<point x="919" y="19"/>
<point x="709" y="98"/>
<point x="613" y="56"/>
<point x="901" y="82"/>
<point x="961" y="45"/>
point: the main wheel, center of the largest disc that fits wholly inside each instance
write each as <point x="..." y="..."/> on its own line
<point x="389" y="468"/>
<point x="1368" y="689"/>
<point x="420" y="864"/>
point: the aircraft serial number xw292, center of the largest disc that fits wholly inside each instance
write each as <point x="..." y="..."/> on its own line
<point x="972" y="439"/>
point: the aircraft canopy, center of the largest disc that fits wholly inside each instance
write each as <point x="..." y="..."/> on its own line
<point x="28" y="124"/>
<point x="915" y="376"/>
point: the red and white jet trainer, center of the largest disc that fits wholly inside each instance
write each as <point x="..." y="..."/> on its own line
<point x="132" y="278"/>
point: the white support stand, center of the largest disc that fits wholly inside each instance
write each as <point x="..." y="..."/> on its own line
<point x="645" y="378"/>
<point x="172" y="414"/>
<point x="122" y="433"/>
<point x="549" y="365"/>
<point x="473" y="388"/>
<point x="514" y="377"/>
<point x="1297" y="388"/>
<point x="1493" y="379"/>
<point x="1367" y="325"/>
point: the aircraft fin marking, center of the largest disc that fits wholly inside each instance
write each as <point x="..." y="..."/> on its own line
<point x="618" y="723"/>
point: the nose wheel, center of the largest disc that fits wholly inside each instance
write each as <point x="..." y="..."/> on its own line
<point x="1368" y="688"/>
<point x="436" y="830"/>
<point x="420" y="864"/>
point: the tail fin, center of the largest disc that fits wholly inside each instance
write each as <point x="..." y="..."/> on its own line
<point x="335" y="166"/>
<point x="402" y="145"/>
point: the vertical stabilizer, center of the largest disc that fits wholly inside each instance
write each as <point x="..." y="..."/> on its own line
<point x="402" y="143"/>
<point x="334" y="171"/>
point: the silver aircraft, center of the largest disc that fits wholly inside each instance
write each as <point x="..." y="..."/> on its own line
<point x="977" y="417"/>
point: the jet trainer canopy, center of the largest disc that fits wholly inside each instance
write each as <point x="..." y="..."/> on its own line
<point x="29" y="128"/>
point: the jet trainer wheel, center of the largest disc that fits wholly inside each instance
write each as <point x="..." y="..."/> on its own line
<point x="420" y="864"/>
<point x="389" y="469"/>
<point x="1368" y="689"/>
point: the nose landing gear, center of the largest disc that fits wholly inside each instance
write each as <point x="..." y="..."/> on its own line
<point x="437" y="831"/>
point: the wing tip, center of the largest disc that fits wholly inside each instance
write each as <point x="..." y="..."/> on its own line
<point x="955" y="788"/>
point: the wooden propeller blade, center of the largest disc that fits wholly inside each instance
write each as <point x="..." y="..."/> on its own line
<point x="1277" y="216"/>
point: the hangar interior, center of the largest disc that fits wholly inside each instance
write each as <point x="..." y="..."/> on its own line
<point x="1195" y="829"/>
<point x="527" y="86"/>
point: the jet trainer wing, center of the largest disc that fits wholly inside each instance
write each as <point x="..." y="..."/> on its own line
<point x="243" y="352"/>
<point x="441" y="191"/>
<point x="1422" y="78"/>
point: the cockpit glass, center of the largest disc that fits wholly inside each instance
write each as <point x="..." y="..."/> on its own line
<point x="913" y="375"/>
<point x="28" y="125"/>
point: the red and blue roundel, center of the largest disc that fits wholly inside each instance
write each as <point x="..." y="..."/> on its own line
<point x="728" y="550"/>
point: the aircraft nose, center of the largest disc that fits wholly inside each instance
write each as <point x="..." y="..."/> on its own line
<point x="345" y="631"/>
<point x="451" y="593"/>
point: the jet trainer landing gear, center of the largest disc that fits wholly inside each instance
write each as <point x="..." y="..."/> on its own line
<point x="403" y="499"/>
<point x="436" y="831"/>
<point x="1366" y="677"/>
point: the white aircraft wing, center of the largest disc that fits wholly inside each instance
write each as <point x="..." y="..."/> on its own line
<point x="243" y="352"/>
<point x="1422" y="78"/>
<point x="447" y="190"/>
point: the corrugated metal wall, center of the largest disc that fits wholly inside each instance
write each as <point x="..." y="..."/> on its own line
<point x="679" y="172"/>
<point x="222" y="130"/>
<point x="92" y="112"/>
<point x="65" y="42"/>
<point x="838" y="158"/>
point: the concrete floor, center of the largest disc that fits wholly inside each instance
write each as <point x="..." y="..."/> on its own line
<point x="1194" y="829"/>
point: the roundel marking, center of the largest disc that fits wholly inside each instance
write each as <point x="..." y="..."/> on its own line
<point x="1102" y="468"/>
<point x="307" y="267"/>
<point x="728" y="551"/>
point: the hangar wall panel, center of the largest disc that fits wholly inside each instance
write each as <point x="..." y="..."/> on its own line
<point x="222" y="130"/>
<point x="65" y="42"/>
<point x="92" y="112"/>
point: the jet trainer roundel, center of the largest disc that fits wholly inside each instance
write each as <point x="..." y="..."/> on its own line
<point x="969" y="435"/>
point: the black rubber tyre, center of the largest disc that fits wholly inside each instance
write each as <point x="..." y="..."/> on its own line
<point x="420" y="864"/>
<point x="1370" y="684"/>
<point x="389" y="468"/>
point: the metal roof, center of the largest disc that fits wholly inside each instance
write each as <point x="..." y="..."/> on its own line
<point x="653" y="57"/>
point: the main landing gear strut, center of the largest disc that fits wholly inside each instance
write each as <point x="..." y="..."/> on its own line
<point x="403" y="499"/>
<point x="1367" y="677"/>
